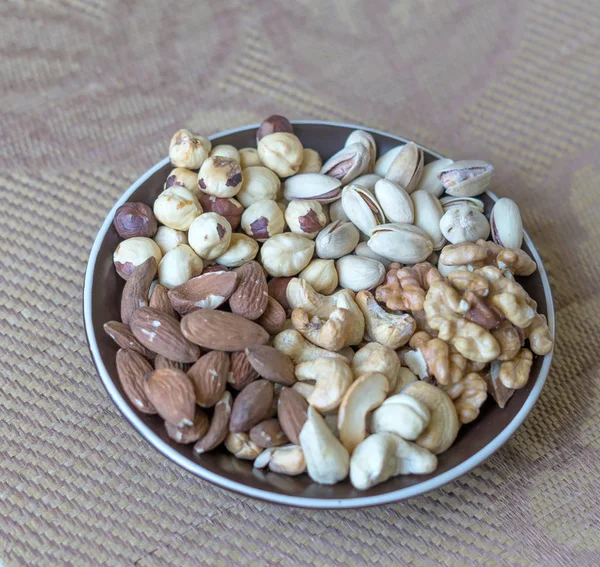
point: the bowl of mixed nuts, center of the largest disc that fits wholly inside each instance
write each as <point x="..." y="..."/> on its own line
<point x="318" y="314"/>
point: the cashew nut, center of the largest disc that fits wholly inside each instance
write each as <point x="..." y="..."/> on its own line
<point x="304" y="389"/>
<point x="327" y="460"/>
<point x="374" y="357"/>
<point x="366" y="394"/>
<point x="242" y="447"/>
<point x="331" y="334"/>
<point x="332" y="378"/>
<point x="292" y="343"/>
<point x="403" y="378"/>
<point x="289" y="460"/>
<point x="403" y="415"/>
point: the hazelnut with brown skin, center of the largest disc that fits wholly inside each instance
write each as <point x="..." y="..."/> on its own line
<point x="209" y="235"/>
<point x="220" y="176"/>
<point x="230" y="208"/>
<point x="274" y="123"/>
<point x="133" y="252"/>
<point x="305" y="217"/>
<point x="263" y="219"/>
<point x="184" y="178"/>
<point x="135" y="219"/>
<point x="188" y="150"/>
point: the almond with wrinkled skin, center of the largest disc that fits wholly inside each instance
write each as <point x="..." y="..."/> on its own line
<point x="135" y="292"/>
<point x="161" y="333"/>
<point x="206" y="291"/>
<point x="209" y="376"/>
<point x="219" y="330"/>
<point x="219" y="426"/>
<point x="242" y="372"/>
<point x="251" y="406"/>
<point x="271" y="364"/>
<point x="250" y="298"/>
<point x="273" y="319"/>
<point x="292" y="413"/>
<point x="189" y="433"/>
<point x="131" y="368"/>
<point x="163" y="362"/>
<point x="160" y="300"/>
<point x="268" y="433"/>
<point x="172" y="394"/>
<point x="122" y="335"/>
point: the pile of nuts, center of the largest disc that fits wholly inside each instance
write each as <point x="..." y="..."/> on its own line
<point x="338" y="319"/>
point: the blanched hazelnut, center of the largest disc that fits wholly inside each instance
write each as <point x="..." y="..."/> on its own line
<point x="188" y="150"/>
<point x="259" y="183"/>
<point x="322" y="275"/>
<point x="210" y="235"/>
<point x="167" y="238"/>
<point x="184" y="178"/>
<point x="272" y="124"/>
<point x="177" y="207"/>
<point x="133" y="252"/>
<point x="230" y="208"/>
<point x="286" y="254"/>
<point x="135" y="219"/>
<point x="178" y="266"/>
<point x="249" y="157"/>
<point x="263" y="219"/>
<point x="226" y="151"/>
<point x="281" y="152"/>
<point x="305" y="217"/>
<point x="221" y="177"/>
<point x="311" y="161"/>
<point x="241" y="249"/>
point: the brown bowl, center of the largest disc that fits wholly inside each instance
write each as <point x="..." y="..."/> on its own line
<point x="475" y="443"/>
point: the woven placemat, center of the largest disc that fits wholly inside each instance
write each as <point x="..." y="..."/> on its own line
<point x="91" y="92"/>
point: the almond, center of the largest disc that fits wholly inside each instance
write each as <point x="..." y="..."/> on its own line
<point x="160" y="300"/>
<point x="242" y="372"/>
<point x="209" y="376"/>
<point x="135" y="292"/>
<point x="271" y="364"/>
<point x="219" y="330"/>
<point x="277" y="290"/>
<point x="162" y="362"/>
<point x="251" y="296"/>
<point x="206" y="291"/>
<point x="273" y="319"/>
<point x="172" y="394"/>
<point x="292" y="413"/>
<point x="122" y="335"/>
<point x="219" y="426"/>
<point x="268" y="433"/>
<point x="131" y="368"/>
<point x="161" y="333"/>
<point x="251" y="406"/>
<point x="189" y="433"/>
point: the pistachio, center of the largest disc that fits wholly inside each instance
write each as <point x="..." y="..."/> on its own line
<point x="466" y="178"/>
<point x="362" y="249"/>
<point x="449" y="201"/>
<point x="336" y="212"/>
<point x="395" y="201"/>
<point x="428" y="213"/>
<point x="367" y="181"/>
<point x="430" y="181"/>
<point x="367" y="140"/>
<point x="347" y="164"/>
<point x="311" y="161"/>
<point x="463" y="223"/>
<point x="314" y="186"/>
<point x="336" y="240"/>
<point x="407" y="167"/>
<point x="322" y="275"/>
<point x="281" y="152"/>
<point x="358" y="273"/>
<point x="383" y="163"/>
<point x="263" y="219"/>
<point x="362" y="208"/>
<point x="305" y="217"/>
<point x="403" y="243"/>
<point x="506" y="223"/>
<point x="259" y="183"/>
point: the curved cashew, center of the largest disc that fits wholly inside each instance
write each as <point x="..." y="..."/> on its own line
<point x="242" y="447"/>
<point x="331" y="334"/>
<point x="304" y="389"/>
<point x="332" y="378"/>
<point x="292" y="343"/>
<point x="403" y="378"/>
<point x="443" y="425"/>
<point x="388" y="329"/>
<point x="403" y="415"/>
<point x="374" y="357"/>
<point x="287" y="459"/>
<point x="366" y="394"/>
<point x="327" y="460"/>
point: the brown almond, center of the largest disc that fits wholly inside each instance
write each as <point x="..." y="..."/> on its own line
<point x="292" y="413"/>
<point x="161" y="333"/>
<point x="135" y="292"/>
<point x="131" y="368"/>
<point x="189" y="433"/>
<point x="172" y="394"/>
<point x="122" y="335"/>
<point x="162" y="362"/>
<point x="268" y="433"/>
<point x="160" y="300"/>
<point x="251" y="296"/>
<point x="206" y="291"/>
<point x="209" y="376"/>
<point x="277" y="288"/>
<point x="242" y="372"/>
<point x="251" y="406"/>
<point x="273" y="319"/>
<point x="219" y="426"/>
<point x="271" y="364"/>
<point x="219" y="330"/>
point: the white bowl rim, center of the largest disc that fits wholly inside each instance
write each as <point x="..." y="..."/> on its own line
<point x="300" y="501"/>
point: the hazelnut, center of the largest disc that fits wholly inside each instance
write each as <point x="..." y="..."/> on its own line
<point x="133" y="252"/>
<point x="263" y="219"/>
<point x="281" y="152"/>
<point x="230" y="208"/>
<point x="226" y="151"/>
<point x="176" y="207"/>
<point x="210" y="235"/>
<point x="135" y="219"/>
<point x="321" y="275"/>
<point x="249" y="157"/>
<point x="241" y="249"/>
<point x="305" y="217"/>
<point x="188" y="150"/>
<point x="178" y="266"/>
<point x="286" y="254"/>
<point x="167" y="238"/>
<point x="221" y="177"/>
<point x="274" y="123"/>
<point x="184" y="178"/>
<point x="259" y="183"/>
<point x="311" y="162"/>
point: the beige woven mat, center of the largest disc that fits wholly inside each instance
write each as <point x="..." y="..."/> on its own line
<point x="90" y="93"/>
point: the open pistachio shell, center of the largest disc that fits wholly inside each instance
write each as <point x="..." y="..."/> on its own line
<point x="466" y="178"/>
<point x="362" y="208"/>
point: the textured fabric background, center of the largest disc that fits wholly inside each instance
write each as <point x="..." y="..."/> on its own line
<point x="90" y="93"/>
